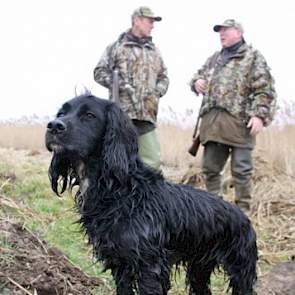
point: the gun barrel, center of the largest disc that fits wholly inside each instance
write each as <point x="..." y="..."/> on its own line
<point x="115" y="89"/>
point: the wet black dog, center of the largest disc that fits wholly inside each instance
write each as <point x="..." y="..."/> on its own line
<point x="139" y="224"/>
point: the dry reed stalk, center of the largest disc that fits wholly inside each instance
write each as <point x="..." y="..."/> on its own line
<point x="22" y="136"/>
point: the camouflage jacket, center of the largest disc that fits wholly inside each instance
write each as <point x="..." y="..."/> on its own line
<point x="142" y="73"/>
<point x="243" y="85"/>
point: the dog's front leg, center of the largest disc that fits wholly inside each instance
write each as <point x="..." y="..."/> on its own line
<point x="124" y="280"/>
<point x="153" y="281"/>
<point x="124" y="289"/>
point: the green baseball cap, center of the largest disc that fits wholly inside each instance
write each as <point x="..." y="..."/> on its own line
<point x="145" y="11"/>
<point x="228" y="23"/>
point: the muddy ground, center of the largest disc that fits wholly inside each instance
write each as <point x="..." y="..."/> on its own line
<point x="30" y="266"/>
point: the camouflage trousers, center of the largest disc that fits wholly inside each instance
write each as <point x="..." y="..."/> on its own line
<point x="149" y="149"/>
<point x="214" y="160"/>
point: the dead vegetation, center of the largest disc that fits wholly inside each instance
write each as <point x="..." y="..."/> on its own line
<point x="28" y="263"/>
<point x="29" y="137"/>
<point x="273" y="215"/>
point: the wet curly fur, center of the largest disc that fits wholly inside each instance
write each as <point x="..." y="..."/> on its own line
<point x="139" y="224"/>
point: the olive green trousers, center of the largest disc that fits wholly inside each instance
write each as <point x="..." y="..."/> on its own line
<point x="214" y="160"/>
<point x="149" y="149"/>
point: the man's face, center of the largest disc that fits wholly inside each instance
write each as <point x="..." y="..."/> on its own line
<point x="229" y="36"/>
<point x="143" y="26"/>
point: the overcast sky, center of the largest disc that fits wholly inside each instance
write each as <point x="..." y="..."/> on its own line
<point x="50" y="47"/>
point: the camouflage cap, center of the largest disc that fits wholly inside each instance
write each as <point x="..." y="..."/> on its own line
<point x="145" y="12"/>
<point x="229" y="23"/>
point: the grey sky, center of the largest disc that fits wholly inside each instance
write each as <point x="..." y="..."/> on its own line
<point x="49" y="47"/>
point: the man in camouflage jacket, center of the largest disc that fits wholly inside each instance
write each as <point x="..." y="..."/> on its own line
<point x="142" y="79"/>
<point x="238" y="100"/>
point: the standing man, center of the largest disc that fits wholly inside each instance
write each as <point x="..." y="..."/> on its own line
<point x="238" y="100"/>
<point x="142" y="79"/>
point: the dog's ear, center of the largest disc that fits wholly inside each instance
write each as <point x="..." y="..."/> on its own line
<point x="120" y="145"/>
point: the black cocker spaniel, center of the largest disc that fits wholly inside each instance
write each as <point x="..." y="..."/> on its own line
<point x="139" y="224"/>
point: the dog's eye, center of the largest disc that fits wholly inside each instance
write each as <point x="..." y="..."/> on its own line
<point x="90" y="115"/>
<point x="60" y="114"/>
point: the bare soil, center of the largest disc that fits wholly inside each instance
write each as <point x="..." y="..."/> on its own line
<point x="279" y="281"/>
<point x="30" y="266"/>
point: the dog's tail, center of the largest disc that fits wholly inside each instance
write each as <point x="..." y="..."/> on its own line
<point x="240" y="261"/>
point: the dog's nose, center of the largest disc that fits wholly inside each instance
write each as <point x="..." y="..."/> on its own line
<point x="56" y="126"/>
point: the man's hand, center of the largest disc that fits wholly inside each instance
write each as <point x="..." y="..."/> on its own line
<point x="200" y="86"/>
<point x="256" y="125"/>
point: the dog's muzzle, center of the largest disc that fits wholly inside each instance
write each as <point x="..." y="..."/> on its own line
<point x="54" y="134"/>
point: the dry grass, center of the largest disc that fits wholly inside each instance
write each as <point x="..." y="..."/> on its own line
<point x="30" y="137"/>
<point x="276" y="146"/>
<point x="273" y="212"/>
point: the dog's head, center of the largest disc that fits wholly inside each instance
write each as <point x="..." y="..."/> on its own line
<point x="79" y="127"/>
<point x="90" y="132"/>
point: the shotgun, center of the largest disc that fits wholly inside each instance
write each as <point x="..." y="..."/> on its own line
<point x="115" y="86"/>
<point x="193" y="149"/>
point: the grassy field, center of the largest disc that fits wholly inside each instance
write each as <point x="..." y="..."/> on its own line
<point x="26" y="196"/>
